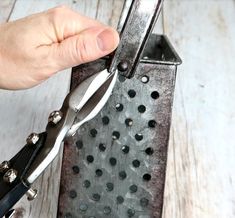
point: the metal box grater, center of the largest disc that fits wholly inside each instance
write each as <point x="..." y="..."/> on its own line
<point x="115" y="165"/>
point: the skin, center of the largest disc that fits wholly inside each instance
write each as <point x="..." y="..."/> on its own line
<point x="34" y="48"/>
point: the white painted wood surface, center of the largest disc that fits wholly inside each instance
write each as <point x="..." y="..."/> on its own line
<point x="201" y="159"/>
<point x="6" y="7"/>
<point x="200" y="179"/>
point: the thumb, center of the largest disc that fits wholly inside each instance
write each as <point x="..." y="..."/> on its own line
<point x="86" y="46"/>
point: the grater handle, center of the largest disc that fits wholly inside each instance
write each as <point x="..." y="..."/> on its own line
<point x="135" y="32"/>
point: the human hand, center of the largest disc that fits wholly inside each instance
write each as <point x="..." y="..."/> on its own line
<point x="34" y="48"/>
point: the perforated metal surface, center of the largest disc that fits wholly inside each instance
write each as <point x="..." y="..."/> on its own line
<point x="118" y="161"/>
<point x="115" y="167"/>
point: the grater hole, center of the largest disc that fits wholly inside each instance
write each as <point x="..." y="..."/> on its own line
<point x="145" y="79"/>
<point x="90" y="158"/>
<point x="86" y="183"/>
<point x="144" y="202"/>
<point x="122" y="78"/>
<point x="155" y="95"/>
<point x="113" y="161"/>
<point x="141" y="108"/>
<point x="102" y="147"/>
<point x="125" y="149"/>
<point x="149" y="151"/>
<point x="72" y="194"/>
<point x="93" y="133"/>
<point x="109" y="186"/>
<point x="147" y="177"/>
<point x="83" y="207"/>
<point x="133" y="188"/>
<point x="115" y="135"/>
<point x="130" y="212"/>
<point x="98" y="172"/>
<point x="95" y="197"/>
<point x="119" y="199"/>
<point x="75" y="169"/>
<point x="105" y="120"/>
<point x="119" y="107"/>
<point x="138" y="136"/>
<point x="79" y="144"/>
<point x="107" y="210"/>
<point x="152" y="123"/>
<point x="136" y="163"/>
<point x="131" y="93"/>
<point x="122" y="175"/>
<point x="129" y="122"/>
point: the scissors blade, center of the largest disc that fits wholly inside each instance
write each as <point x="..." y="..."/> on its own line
<point x="94" y="99"/>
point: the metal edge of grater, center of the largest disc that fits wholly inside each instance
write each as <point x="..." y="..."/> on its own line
<point x="115" y="165"/>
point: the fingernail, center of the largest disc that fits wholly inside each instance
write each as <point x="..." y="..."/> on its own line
<point x="106" y="40"/>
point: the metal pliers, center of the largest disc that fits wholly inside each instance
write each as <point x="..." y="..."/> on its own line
<point x="82" y="104"/>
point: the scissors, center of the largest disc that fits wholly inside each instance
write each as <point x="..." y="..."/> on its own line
<point x="81" y="105"/>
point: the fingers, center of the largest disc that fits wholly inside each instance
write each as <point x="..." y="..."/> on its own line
<point x="87" y="46"/>
<point x="67" y="22"/>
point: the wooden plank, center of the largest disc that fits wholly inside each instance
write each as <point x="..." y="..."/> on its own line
<point x="6" y="7"/>
<point x="200" y="174"/>
<point x="23" y="112"/>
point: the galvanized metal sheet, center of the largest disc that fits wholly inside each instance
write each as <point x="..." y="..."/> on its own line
<point x="115" y="167"/>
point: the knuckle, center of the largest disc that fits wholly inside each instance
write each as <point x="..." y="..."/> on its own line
<point x="58" y="11"/>
<point x="82" y="52"/>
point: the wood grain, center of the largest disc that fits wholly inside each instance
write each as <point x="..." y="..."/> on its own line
<point x="200" y="174"/>
<point x="23" y="112"/>
<point x="6" y="7"/>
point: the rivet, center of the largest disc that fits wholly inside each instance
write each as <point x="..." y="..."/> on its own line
<point x="10" y="176"/>
<point x="122" y="66"/>
<point x="4" y="166"/>
<point x="31" y="194"/>
<point x="32" y="138"/>
<point x="55" y="117"/>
